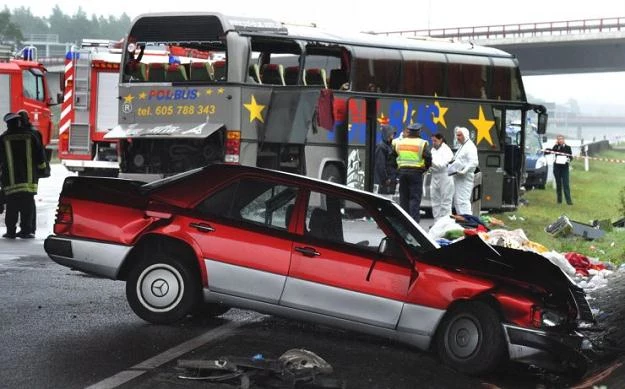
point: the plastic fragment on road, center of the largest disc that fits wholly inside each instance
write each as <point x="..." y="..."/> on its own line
<point x="293" y="367"/>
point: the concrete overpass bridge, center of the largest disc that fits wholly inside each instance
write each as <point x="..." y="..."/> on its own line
<point x="561" y="47"/>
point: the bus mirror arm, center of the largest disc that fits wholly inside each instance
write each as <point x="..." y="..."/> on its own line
<point x="542" y="118"/>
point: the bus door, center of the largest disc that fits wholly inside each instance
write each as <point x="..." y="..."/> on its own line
<point x="361" y="140"/>
<point x="509" y="178"/>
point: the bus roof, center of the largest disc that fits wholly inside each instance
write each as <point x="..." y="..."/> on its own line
<point x="203" y="26"/>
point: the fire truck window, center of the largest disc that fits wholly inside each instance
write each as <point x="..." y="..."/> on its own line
<point x="32" y="84"/>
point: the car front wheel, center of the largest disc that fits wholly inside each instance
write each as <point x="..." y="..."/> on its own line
<point x="163" y="290"/>
<point x="471" y="339"/>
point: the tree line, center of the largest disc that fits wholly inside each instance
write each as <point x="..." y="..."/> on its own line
<point x="19" y="24"/>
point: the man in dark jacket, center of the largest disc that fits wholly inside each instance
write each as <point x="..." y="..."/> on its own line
<point x="385" y="168"/>
<point x="22" y="161"/>
<point x="561" y="168"/>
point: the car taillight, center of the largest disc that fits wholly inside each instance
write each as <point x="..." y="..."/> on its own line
<point x="64" y="214"/>
<point x="233" y="146"/>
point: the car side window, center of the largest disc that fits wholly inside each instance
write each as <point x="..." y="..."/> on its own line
<point x="340" y="220"/>
<point x="253" y="200"/>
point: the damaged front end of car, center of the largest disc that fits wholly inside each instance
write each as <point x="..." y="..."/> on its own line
<point x="542" y="310"/>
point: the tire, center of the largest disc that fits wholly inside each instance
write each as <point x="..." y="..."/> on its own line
<point x="163" y="290"/>
<point x="470" y="339"/>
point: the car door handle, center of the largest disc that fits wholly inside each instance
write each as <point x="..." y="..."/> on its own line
<point x="308" y="251"/>
<point x="202" y="227"/>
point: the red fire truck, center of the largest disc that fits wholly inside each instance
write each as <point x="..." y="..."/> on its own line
<point x="90" y="108"/>
<point x="24" y="85"/>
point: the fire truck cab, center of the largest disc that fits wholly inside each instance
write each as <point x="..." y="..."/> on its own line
<point x="90" y="85"/>
<point x="24" y="85"/>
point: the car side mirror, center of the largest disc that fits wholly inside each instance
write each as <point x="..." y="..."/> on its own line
<point x="59" y="98"/>
<point x="383" y="245"/>
<point x="390" y="248"/>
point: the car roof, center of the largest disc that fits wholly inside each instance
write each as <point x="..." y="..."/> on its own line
<point x="222" y="172"/>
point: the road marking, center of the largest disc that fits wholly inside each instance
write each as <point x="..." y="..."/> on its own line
<point x="174" y="352"/>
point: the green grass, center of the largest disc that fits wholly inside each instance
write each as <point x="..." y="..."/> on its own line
<point x="595" y="194"/>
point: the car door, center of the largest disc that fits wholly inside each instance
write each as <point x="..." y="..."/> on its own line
<point x="336" y="269"/>
<point x="242" y="231"/>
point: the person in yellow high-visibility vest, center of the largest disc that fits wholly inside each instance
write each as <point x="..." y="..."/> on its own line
<point x="413" y="159"/>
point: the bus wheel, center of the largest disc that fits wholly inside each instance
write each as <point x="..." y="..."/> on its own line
<point x="331" y="173"/>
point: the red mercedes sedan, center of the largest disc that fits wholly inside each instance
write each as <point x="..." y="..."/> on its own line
<point x="233" y="236"/>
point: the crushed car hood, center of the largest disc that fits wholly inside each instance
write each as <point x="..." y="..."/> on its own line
<point x="473" y="255"/>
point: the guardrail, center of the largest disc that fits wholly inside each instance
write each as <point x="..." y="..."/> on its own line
<point x="500" y="31"/>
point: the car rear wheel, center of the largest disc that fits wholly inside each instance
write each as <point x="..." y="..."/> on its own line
<point x="163" y="290"/>
<point x="470" y="339"/>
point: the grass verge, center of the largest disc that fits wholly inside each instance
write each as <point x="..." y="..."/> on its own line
<point x="596" y="196"/>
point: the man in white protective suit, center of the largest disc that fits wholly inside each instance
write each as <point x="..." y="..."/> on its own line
<point x="441" y="184"/>
<point x="463" y="170"/>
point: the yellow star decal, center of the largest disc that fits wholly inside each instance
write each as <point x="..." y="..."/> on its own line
<point x="209" y="91"/>
<point x="220" y="91"/>
<point x="255" y="110"/>
<point x="441" y="114"/>
<point x="143" y="95"/>
<point x="483" y="127"/>
<point x="128" y="98"/>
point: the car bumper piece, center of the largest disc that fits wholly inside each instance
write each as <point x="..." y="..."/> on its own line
<point x="99" y="258"/>
<point x="545" y="349"/>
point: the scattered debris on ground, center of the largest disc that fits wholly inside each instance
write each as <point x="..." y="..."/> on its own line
<point x="296" y="368"/>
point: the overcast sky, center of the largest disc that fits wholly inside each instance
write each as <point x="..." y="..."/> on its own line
<point x="392" y="15"/>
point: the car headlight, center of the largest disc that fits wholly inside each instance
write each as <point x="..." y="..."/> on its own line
<point x="547" y="318"/>
<point x="540" y="162"/>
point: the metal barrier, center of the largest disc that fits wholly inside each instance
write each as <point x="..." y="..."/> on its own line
<point x="519" y="30"/>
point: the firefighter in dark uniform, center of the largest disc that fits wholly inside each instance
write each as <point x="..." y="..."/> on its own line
<point x="413" y="159"/>
<point x="22" y="161"/>
<point x="27" y="124"/>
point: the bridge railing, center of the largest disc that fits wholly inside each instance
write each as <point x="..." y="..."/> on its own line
<point x="520" y="30"/>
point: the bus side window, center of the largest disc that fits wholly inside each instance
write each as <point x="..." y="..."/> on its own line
<point x="338" y="77"/>
<point x="378" y="66"/>
<point x="466" y="76"/>
<point x="272" y="74"/>
<point x="424" y="73"/>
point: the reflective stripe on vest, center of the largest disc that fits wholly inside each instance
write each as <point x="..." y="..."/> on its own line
<point x="30" y="185"/>
<point x="410" y="152"/>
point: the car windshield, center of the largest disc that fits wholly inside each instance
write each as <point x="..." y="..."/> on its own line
<point x="410" y="231"/>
